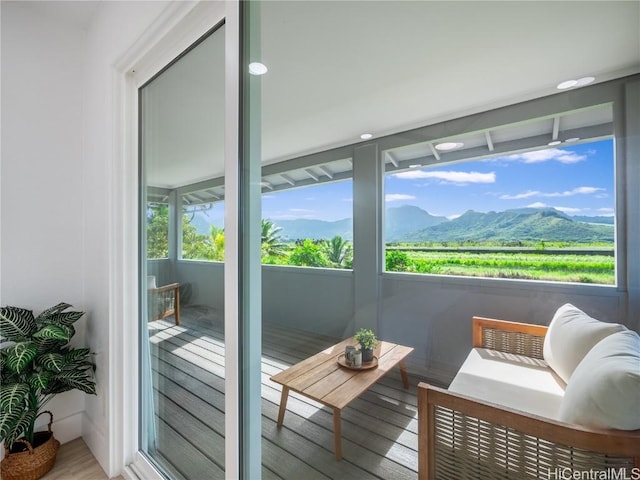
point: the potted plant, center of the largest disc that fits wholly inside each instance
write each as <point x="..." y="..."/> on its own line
<point x="36" y="364"/>
<point x="367" y="340"/>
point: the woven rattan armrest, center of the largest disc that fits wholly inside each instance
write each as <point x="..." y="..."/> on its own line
<point x="531" y="441"/>
<point x="509" y="337"/>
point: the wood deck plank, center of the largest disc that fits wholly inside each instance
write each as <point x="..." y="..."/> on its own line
<point x="378" y="428"/>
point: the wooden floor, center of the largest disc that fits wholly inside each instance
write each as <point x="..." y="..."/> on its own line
<point x="379" y="429"/>
<point x="74" y="461"/>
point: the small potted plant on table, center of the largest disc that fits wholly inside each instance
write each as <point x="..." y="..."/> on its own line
<point x="36" y="364"/>
<point x="367" y="340"/>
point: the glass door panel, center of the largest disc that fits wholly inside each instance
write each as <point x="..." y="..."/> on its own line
<point x="181" y="325"/>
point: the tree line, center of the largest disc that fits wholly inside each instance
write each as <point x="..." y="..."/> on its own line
<point x="333" y="253"/>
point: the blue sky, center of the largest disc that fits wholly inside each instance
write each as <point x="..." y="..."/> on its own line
<point x="574" y="178"/>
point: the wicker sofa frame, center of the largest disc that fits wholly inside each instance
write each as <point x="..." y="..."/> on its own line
<point x="462" y="438"/>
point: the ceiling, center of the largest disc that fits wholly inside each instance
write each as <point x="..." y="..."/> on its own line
<point x="339" y="69"/>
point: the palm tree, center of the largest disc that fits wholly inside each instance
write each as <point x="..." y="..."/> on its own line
<point x="272" y="244"/>
<point x="338" y="251"/>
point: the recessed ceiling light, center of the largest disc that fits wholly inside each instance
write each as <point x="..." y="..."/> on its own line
<point x="366" y="136"/>
<point x="567" y="84"/>
<point x="446" y="146"/>
<point x="581" y="82"/>
<point x="555" y="142"/>
<point x="572" y="139"/>
<point x="257" y="68"/>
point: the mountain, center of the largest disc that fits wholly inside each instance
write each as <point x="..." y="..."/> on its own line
<point x="401" y="222"/>
<point x="602" y="220"/>
<point x="533" y="224"/>
<point x="203" y="223"/>
<point x="412" y="224"/>
<point x="301" y="228"/>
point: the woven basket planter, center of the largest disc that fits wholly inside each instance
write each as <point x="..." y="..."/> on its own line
<point x="35" y="462"/>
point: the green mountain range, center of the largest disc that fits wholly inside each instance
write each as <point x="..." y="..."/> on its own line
<point x="510" y="225"/>
<point x="409" y="223"/>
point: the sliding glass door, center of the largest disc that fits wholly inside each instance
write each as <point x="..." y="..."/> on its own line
<point x="182" y="357"/>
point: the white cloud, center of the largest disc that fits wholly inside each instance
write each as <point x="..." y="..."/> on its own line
<point x="518" y="196"/>
<point x="539" y="156"/>
<point x="567" y="193"/>
<point x="575" y="191"/>
<point x="560" y="209"/>
<point x="454" y="216"/>
<point x="606" y="211"/>
<point x="300" y="210"/>
<point x="450" y="176"/>
<point x="347" y="199"/>
<point x="394" y="197"/>
<point x="568" y="209"/>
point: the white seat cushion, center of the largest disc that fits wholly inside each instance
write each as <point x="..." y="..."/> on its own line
<point x="604" y="390"/>
<point x="572" y="333"/>
<point x="510" y="380"/>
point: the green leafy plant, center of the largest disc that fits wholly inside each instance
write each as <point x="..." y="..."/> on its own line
<point x="366" y="338"/>
<point x="36" y="364"/>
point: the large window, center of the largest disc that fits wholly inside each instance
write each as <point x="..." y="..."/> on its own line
<point x="535" y="214"/>
<point x="308" y="226"/>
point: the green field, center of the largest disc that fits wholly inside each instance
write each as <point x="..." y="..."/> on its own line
<point x="582" y="268"/>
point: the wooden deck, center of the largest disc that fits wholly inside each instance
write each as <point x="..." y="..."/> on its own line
<point x="379" y="429"/>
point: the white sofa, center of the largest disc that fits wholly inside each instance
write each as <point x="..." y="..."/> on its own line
<point x="536" y="402"/>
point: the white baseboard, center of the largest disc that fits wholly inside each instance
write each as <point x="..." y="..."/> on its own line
<point x="68" y="428"/>
<point x="95" y="440"/>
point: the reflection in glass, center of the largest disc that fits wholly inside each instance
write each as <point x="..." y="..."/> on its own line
<point x="182" y="340"/>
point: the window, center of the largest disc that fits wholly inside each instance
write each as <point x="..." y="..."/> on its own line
<point x="157" y="230"/>
<point x="535" y="214"/>
<point x="309" y="227"/>
<point x="202" y="230"/>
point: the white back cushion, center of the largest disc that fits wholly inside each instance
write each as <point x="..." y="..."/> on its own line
<point x="604" y="390"/>
<point x="571" y="334"/>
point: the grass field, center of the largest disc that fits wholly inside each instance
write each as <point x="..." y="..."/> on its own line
<point x="598" y="269"/>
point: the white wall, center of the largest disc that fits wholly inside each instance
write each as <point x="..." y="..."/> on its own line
<point x="42" y="204"/>
<point x="116" y="26"/>
<point x="58" y="130"/>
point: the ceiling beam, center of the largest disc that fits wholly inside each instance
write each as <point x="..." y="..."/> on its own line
<point x="309" y="172"/>
<point x="393" y="161"/>
<point x="434" y="152"/>
<point x="198" y="198"/>
<point x="326" y="171"/>
<point x="487" y="135"/>
<point x="288" y="179"/>
<point x="213" y="194"/>
<point x="556" y="128"/>
<point x="537" y="142"/>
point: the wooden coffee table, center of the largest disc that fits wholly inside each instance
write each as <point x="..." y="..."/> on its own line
<point x="322" y="379"/>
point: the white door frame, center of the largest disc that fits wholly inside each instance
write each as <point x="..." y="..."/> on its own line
<point x="179" y="26"/>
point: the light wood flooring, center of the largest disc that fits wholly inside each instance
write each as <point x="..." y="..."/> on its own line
<point x="379" y="429"/>
<point x="74" y="461"/>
